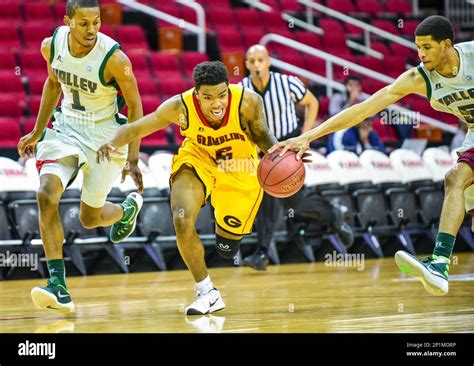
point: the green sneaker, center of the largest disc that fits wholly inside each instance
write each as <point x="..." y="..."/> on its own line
<point x="122" y="229"/>
<point x="431" y="271"/>
<point x="54" y="296"/>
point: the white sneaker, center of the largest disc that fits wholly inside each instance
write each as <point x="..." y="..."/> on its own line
<point x="206" y="303"/>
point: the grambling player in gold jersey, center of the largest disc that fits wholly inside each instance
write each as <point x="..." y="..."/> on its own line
<point x="223" y="124"/>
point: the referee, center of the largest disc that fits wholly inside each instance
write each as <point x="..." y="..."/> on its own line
<point x="280" y="94"/>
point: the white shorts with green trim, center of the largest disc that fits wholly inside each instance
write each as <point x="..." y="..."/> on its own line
<point x="64" y="149"/>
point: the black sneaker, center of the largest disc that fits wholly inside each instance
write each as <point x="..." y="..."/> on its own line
<point x="341" y="228"/>
<point x="258" y="261"/>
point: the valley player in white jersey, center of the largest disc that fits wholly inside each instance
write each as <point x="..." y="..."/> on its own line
<point x="95" y="77"/>
<point x="445" y="77"/>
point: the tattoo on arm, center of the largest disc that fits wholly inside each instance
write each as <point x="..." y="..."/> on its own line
<point x="257" y="123"/>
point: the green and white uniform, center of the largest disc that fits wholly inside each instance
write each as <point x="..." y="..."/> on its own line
<point x="87" y="117"/>
<point x="455" y="95"/>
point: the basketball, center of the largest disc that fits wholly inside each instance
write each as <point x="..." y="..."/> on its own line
<point x="281" y="176"/>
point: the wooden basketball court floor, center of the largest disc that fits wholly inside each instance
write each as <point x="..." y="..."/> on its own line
<point x="293" y="298"/>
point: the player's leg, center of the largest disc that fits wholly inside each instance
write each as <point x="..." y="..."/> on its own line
<point x="433" y="271"/>
<point x="235" y="220"/>
<point x="267" y="218"/>
<point x="53" y="179"/>
<point x="96" y="211"/>
<point x="187" y="196"/>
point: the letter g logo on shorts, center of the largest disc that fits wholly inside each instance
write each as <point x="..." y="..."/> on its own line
<point x="232" y="221"/>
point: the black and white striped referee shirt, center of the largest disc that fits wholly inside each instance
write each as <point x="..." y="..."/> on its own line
<point x="279" y="98"/>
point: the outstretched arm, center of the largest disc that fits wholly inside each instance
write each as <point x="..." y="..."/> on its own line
<point x="253" y="116"/>
<point x="171" y="111"/>
<point x="409" y="82"/>
<point x="119" y="69"/>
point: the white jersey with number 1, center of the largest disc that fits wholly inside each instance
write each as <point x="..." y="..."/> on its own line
<point x="87" y="97"/>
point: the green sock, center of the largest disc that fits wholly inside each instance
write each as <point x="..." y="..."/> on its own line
<point x="57" y="271"/>
<point x="444" y="245"/>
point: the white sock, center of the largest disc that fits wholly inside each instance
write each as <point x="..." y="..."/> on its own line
<point x="205" y="285"/>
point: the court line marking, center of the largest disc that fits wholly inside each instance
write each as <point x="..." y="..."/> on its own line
<point x="399" y="315"/>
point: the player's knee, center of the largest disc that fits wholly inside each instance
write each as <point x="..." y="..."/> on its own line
<point x="89" y="221"/>
<point x="454" y="179"/>
<point x="184" y="226"/>
<point x="227" y="248"/>
<point x="47" y="199"/>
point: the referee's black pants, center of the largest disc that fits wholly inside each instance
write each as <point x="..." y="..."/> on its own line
<point x="304" y="203"/>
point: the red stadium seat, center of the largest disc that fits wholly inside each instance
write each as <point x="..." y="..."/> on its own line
<point x="371" y="63"/>
<point x="373" y="7"/>
<point x="230" y="40"/>
<point x="343" y="6"/>
<point x="172" y="86"/>
<point x="403" y="51"/>
<point x="139" y="60"/>
<point x="221" y="16"/>
<point x="11" y="83"/>
<point x="191" y="59"/>
<point x="10" y="106"/>
<point x="109" y="30"/>
<point x="295" y="59"/>
<point x="150" y="103"/>
<point x="274" y="21"/>
<point x="35" y="32"/>
<point x="11" y="10"/>
<point x="316" y="64"/>
<point x="59" y="11"/>
<point x="7" y="60"/>
<point x="331" y="25"/>
<point x="11" y="132"/>
<point x="409" y="26"/>
<point x="401" y="7"/>
<point x="381" y="47"/>
<point x="290" y="5"/>
<point x="386" y="25"/>
<point x="354" y="30"/>
<point x="132" y="36"/>
<point x="274" y="4"/>
<point x="309" y="38"/>
<point x="9" y="35"/>
<point x="252" y="36"/>
<point x="165" y="63"/>
<point x="249" y="18"/>
<point x="38" y="11"/>
<point x="147" y="86"/>
<point x="32" y="62"/>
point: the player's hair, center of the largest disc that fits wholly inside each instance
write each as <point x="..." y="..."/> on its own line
<point x="436" y="26"/>
<point x="352" y="77"/>
<point x="210" y="73"/>
<point x="73" y="5"/>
